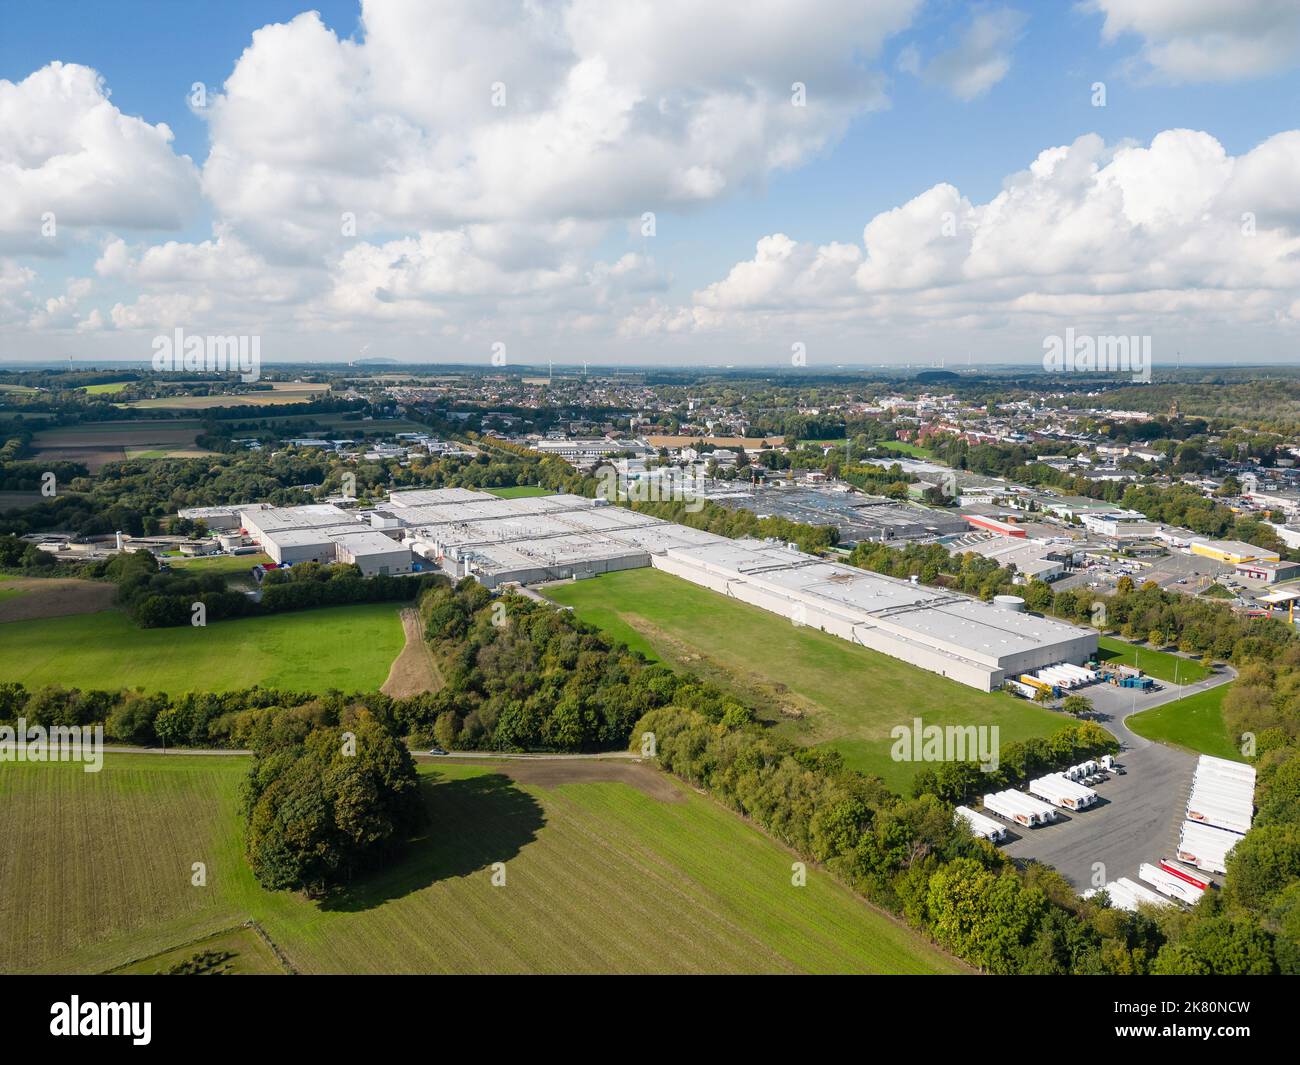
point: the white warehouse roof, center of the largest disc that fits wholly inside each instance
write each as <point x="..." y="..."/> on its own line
<point x="368" y="543"/>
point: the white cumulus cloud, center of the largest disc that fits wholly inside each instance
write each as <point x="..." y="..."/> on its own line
<point x="1207" y="40"/>
<point x="68" y="156"/>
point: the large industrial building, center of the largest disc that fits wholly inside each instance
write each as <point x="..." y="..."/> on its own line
<point x="857" y="518"/>
<point x="553" y="537"/>
<point x="953" y="635"/>
<point x="319" y="532"/>
<point x="544" y="538"/>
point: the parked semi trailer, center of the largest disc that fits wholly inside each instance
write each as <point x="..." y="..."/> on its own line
<point x="1060" y="791"/>
<point x="1194" y="877"/>
<point x="1210" y="813"/>
<point x="1022" y="689"/>
<point x="1019" y="808"/>
<point x="1034" y="682"/>
<point x="1227" y="767"/>
<point x="1168" y="884"/>
<point x="1206" y="847"/>
<point x="984" y="827"/>
<point x="1126" y="894"/>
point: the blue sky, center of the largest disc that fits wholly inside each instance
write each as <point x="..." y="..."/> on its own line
<point x="872" y="152"/>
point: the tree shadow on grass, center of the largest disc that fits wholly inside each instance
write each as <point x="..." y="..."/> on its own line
<point x="473" y="822"/>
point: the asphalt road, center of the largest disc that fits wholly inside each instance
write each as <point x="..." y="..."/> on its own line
<point x="1139" y="814"/>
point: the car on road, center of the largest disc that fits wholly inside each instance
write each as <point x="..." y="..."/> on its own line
<point x="436" y="750"/>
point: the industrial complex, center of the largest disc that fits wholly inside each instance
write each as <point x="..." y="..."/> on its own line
<point x="545" y="538"/>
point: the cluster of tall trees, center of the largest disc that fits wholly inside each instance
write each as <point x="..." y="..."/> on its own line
<point x="157" y="599"/>
<point x="521" y="675"/>
<point x="324" y="804"/>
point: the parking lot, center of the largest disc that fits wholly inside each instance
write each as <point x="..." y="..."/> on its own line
<point x="1174" y="572"/>
<point x="1139" y="814"/>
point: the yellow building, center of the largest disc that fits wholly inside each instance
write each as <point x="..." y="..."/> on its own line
<point x="1232" y="551"/>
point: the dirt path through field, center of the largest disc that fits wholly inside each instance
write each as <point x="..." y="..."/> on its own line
<point x="54" y="597"/>
<point x="413" y="671"/>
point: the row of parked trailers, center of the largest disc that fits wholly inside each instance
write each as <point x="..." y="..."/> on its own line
<point x="1053" y="680"/>
<point x="1171" y="880"/>
<point x="1067" y="676"/>
<point x="1060" y="790"/>
<point x="1067" y="790"/>
<point x="1220" y="808"/>
<point x="1019" y="808"/>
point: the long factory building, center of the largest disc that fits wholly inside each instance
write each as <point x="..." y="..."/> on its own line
<point x="536" y="539"/>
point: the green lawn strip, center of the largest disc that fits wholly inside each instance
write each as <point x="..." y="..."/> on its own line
<point x="600" y="877"/>
<point x="1195" y="723"/>
<point x="814" y="687"/>
<point x="1159" y="664"/>
<point x="348" y="647"/>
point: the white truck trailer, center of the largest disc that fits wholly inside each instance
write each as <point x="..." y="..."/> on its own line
<point x="1206" y="847"/>
<point x="984" y="827"/>
<point x="1009" y="809"/>
<point x="1166" y="883"/>
<point x="1222" y="770"/>
<point x="1139" y="893"/>
<point x="1043" y="811"/>
<point x="1085" y="676"/>
<point x="1220" y="813"/>
<point x="1228" y="768"/>
<point x="1211" y="778"/>
<point x="1019" y="808"/>
<point x="1195" y="877"/>
<point x="1058" y="677"/>
<point x="1126" y="894"/>
<point x="1063" y="792"/>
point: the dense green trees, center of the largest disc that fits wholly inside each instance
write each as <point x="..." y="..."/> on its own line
<point x="520" y="675"/>
<point x="328" y="804"/>
<point x="157" y="599"/>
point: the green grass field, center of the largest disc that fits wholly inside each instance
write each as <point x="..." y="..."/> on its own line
<point x="1195" y="723"/>
<point x="904" y="448"/>
<point x="345" y="647"/>
<point x="1158" y="664"/>
<point x="281" y="393"/>
<point x="96" y="871"/>
<point x="125" y="427"/>
<point x="817" y="688"/>
<point x="523" y="491"/>
<point x="107" y="389"/>
<point x="248" y="954"/>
